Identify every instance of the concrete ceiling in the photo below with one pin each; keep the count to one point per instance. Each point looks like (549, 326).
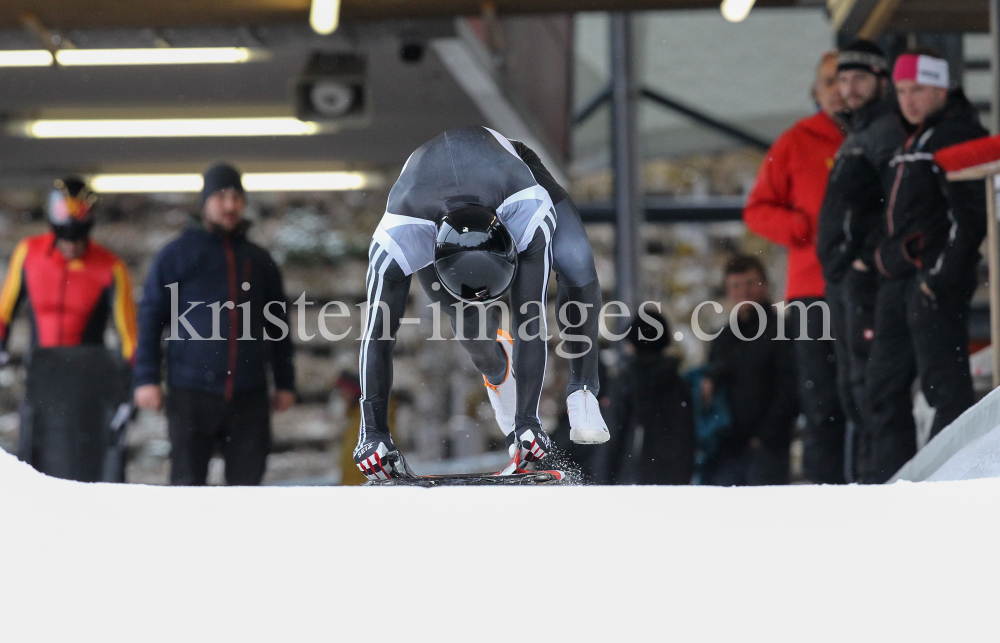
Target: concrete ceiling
(90, 14)
(412, 102)
(869, 18)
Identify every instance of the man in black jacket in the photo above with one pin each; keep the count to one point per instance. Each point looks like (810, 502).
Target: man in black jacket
(928, 260)
(221, 300)
(849, 223)
(757, 374)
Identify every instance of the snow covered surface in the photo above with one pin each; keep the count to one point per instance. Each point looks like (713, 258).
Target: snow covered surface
(902, 562)
(975, 422)
(978, 459)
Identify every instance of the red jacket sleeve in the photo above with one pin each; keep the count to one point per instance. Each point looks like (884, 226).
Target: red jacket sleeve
(769, 211)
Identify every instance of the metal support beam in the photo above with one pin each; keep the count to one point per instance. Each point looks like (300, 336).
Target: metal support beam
(704, 119)
(694, 114)
(625, 160)
(672, 210)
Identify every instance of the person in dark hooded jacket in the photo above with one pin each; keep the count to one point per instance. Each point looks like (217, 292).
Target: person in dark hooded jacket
(849, 223)
(928, 261)
(756, 371)
(652, 412)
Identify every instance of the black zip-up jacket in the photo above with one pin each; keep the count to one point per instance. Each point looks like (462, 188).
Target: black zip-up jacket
(854, 202)
(760, 382)
(933, 226)
(209, 267)
(653, 423)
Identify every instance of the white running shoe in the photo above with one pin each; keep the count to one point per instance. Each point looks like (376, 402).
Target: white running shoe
(503, 396)
(586, 423)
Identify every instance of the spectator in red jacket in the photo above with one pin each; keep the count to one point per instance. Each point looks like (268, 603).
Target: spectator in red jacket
(784, 208)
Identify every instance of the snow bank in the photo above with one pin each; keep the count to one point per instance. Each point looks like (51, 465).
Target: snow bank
(978, 459)
(903, 562)
(978, 420)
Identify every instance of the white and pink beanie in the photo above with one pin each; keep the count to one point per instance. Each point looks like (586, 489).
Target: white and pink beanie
(922, 69)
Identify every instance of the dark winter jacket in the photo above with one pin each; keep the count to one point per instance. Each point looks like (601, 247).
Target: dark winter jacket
(854, 202)
(652, 423)
(210, 267)
(932, 226)
(760, 383)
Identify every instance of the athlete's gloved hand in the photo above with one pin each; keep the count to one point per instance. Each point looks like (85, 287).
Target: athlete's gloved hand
(379, 459)
(531, 443)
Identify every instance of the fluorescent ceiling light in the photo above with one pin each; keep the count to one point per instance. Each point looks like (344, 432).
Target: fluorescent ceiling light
(736, 10)
(307, 181)
(139, 183)
(158, 56)
(151, 56)
(164, 127)
(253, 182)
(324, 16)
(25, 58)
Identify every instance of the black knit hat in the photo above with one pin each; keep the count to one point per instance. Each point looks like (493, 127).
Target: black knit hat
(220, 176)
(864, 55)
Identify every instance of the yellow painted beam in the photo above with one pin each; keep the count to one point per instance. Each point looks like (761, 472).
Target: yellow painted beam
(879, 19)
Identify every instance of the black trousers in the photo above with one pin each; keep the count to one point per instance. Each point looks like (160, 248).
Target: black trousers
(852, 312)
(915, 336)
(824, 438)
(200, 422)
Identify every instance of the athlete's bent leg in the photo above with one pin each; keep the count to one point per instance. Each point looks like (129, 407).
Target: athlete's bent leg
(578, 306)
(579, 295)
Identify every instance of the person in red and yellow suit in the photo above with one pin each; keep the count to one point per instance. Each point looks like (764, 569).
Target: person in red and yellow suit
(783, 207)
(72, 287)
(71, 284)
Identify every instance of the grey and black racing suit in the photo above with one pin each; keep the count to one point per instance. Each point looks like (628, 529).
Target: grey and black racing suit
(476, 165)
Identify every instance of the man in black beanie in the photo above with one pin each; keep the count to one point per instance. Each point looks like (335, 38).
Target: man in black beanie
(849, 224)
(217, 362)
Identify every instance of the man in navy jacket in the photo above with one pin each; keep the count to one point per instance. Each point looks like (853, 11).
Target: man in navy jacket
(220, 301)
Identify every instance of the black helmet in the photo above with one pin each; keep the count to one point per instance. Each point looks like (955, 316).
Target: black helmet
(475, 257)
(69, 209)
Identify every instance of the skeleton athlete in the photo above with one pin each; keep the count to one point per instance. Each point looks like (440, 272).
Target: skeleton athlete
(474, 215)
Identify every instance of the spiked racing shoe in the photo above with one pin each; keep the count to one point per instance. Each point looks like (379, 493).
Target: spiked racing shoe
(586, 423)
(503, 396)
(379, 459)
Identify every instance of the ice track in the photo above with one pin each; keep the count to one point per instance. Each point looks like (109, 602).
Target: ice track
(902, 562)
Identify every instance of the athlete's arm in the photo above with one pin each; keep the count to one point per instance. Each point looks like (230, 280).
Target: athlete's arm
(12, 293)
(282, 350)
(123, 311)
(388, 289)
(154, 316)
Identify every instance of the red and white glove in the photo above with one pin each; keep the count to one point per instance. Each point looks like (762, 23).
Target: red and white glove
(529, 443)
(379, 459)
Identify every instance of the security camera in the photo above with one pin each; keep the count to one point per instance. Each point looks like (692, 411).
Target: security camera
(333, 88)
